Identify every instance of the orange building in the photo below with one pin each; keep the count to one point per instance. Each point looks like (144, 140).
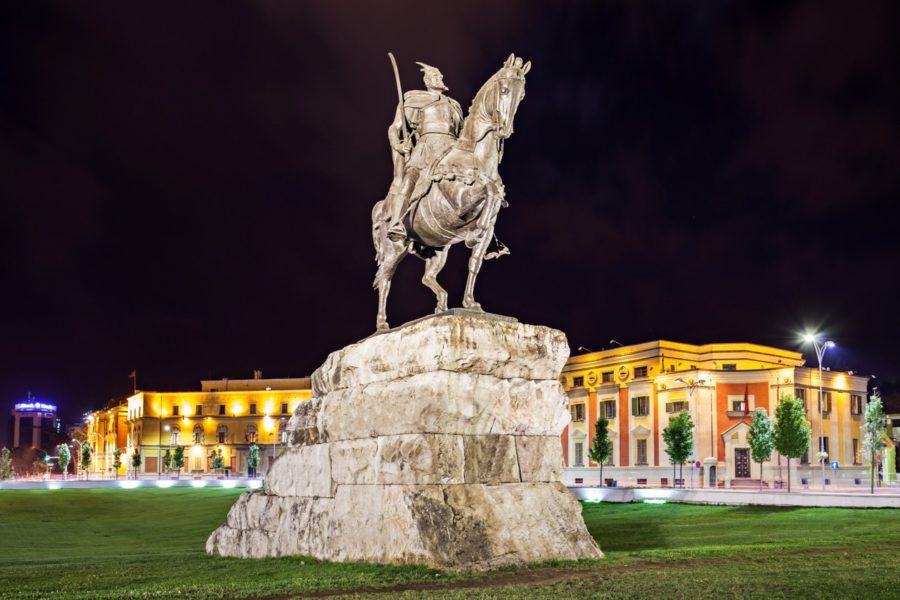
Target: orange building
(639, 387)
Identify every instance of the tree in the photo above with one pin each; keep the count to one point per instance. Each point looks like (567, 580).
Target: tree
(5, 464)
(761, 440)
(178, 459)
(602, 448)
(791, 431)
(873, 433)
(679, 438)
(85, 458)
(215, 460)
(117, 461)
(136, 461)
(253, 460)
(65, 457)
(167, 460)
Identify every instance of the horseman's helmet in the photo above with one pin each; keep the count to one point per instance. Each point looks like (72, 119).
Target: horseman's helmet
(433, 77)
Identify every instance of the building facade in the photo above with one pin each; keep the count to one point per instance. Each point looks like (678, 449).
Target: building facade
(638, 388)
(34, 424)
(225, 415)
(105, 430)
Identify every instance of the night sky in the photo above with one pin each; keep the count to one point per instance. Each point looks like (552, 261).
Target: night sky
(186, 189)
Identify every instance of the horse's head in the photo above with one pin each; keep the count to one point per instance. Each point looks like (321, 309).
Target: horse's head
(494, 106)
(507, 92)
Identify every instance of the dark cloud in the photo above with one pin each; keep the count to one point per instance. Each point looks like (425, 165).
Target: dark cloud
(188, 192)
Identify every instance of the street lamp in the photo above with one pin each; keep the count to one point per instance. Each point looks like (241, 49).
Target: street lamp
(690, 386)
(821, 347)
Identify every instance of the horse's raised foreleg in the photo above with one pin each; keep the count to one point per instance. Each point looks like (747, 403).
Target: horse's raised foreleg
(433, 266)
(492, 205)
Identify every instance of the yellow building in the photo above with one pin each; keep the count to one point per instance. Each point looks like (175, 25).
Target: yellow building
(226, 414)
(106, 430)
(638, 387)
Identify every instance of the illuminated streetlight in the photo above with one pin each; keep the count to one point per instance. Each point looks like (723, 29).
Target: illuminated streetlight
(820, 347)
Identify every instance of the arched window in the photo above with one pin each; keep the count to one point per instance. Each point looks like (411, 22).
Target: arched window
(221, 434)
(251, 434)
(282, 432)
(175, 436)
(198, 434)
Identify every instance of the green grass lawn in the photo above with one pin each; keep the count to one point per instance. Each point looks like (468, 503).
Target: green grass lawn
(150, 544)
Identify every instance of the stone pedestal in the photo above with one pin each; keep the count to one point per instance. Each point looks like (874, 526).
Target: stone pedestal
(436, 443)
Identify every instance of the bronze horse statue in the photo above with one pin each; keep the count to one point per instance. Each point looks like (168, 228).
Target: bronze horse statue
(463, 195)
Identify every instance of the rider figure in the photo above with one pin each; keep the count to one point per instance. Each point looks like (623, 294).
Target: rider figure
(434, 121)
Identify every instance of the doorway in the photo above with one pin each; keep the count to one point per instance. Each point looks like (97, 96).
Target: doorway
(741, 463)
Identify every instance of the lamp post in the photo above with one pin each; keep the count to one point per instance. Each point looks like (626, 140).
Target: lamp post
(820, 347)
(690, 386)
(162, 413)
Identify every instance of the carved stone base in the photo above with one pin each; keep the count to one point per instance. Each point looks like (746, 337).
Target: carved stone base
(436, 443)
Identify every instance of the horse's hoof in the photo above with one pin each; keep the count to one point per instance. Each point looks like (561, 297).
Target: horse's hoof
(440, 309)
(382, 326)
(474, 306)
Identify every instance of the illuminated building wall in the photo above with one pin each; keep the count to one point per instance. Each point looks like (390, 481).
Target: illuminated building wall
(226, 415)
(639, 387)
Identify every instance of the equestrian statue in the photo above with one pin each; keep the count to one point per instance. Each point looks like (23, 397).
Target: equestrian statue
(446, 187)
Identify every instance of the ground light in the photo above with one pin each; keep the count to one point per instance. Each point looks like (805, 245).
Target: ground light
(254, 484)
(655, 501)
(164, 483)
(129, 484)
(229, 483)
(198, 483)
(53, 486)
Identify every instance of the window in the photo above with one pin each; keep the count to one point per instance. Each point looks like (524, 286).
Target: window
(738, 406)
(198, 434)
(729, 367)
(221, 409)
(578, 381)
(606, 377)
(221, 434)
(826, 405)
(175, 437)
(855, 404)
(823, 443)
(175, 410)
(640, 406)
(804, 460)
(253, 409)
(284, 408)
(579, 454)
(608, 409)
(199, 411)
(251, 434)
(577, 411)
(856, 458)
(642, 452)
(282, 432)
(676, 407)
(640, 372)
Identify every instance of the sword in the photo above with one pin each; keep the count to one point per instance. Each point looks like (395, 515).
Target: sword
(404, 132)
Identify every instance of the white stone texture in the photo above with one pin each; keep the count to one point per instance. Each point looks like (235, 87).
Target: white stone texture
(437, 444)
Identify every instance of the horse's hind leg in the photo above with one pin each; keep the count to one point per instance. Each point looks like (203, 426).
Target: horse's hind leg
(433, 266)
(391, 254)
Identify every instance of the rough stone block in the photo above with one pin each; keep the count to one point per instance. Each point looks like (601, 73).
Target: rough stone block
(436, 444)
(301, 471)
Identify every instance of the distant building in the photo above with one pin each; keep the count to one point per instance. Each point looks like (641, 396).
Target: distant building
(226, 414)
(639, 387)
(34, 424)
